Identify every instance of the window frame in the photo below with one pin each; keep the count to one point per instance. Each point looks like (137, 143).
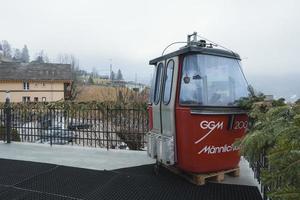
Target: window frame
(171, 86)
(26, 98)
(151, 96)
(25, 85)
(197, 105)
(158, 83)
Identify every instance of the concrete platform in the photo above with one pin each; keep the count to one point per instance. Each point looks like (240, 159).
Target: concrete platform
(83, 157)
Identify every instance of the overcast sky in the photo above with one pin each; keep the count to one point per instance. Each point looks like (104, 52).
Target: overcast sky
(265, 33)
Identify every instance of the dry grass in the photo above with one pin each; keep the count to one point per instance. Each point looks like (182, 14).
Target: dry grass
(103, 93)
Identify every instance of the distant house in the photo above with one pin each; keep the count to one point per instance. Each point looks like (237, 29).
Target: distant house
(34, 82)
(138, 87)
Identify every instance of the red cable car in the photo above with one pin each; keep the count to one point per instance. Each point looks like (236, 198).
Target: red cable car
(193, 112)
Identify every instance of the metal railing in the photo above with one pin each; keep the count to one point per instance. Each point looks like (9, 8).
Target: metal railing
(111, 127)
(257, 167)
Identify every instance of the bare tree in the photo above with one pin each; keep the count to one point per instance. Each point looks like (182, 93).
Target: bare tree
(17, 55)
(41, 57)
(6, 48)
(74, 62)
(69, 59)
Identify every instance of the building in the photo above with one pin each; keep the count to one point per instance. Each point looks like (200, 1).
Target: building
(34, 82)
(138, 87)
(269, 97)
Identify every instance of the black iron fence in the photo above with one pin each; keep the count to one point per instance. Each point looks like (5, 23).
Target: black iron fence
(105, 126)
(257, 166)
(262, 164)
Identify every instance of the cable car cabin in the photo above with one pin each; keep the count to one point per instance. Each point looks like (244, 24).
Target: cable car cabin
(193, 113)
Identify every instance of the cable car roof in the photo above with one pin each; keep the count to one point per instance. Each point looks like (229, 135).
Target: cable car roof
(198, 50)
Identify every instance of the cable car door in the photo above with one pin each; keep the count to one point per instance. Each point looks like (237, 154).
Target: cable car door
(167, 109)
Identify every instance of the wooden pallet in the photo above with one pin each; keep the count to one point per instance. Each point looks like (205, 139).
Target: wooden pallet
(200, 179)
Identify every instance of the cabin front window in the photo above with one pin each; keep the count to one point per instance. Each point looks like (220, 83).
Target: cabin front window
(211, 81)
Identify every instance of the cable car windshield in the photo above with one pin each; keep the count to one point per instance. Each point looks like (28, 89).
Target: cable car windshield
(211, 81)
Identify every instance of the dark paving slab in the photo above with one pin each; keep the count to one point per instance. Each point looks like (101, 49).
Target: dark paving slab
(43, 181)
(18, 194)
(3, 188)
(166, 185)
(148, 170)
(14, 171)
(68, 181)
(138, 170)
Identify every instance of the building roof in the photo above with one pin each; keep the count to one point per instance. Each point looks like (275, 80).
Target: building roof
(34, 71)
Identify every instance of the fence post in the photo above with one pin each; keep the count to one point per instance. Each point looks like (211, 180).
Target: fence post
(7, 112)
(51, 131)
(107, 128)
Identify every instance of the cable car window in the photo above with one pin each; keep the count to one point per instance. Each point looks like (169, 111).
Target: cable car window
(157, 83)
(211, 81)
(151, 96)
(168, 82)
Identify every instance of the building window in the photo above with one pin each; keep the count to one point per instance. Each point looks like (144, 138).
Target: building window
(26, 99)
(44, 84)
(26, 85)
(43, 99)
(36, 99)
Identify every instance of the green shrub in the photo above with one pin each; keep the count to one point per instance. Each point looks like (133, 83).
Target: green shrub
(275, 129)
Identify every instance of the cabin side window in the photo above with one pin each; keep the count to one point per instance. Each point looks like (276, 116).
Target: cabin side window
(151, 96)
(158, 83)
(168, 82)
